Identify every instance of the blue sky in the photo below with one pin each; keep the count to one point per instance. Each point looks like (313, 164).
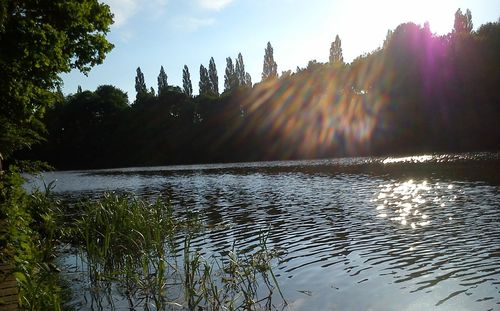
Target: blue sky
(172, 33)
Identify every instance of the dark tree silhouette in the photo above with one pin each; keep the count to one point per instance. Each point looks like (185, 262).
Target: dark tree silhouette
(162, 81)
(230, 77)
(140, 84)
(419, 92)
(187, 86)
(270, 68)
(240, 71)
(204, 84)
(214, 79)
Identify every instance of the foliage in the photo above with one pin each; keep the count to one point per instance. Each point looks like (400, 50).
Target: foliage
(230, 78)
(418, 92)
(213, 77)
(162, 81)
(31, 228)
(236, 76)
(336, 56)
(204, 84)
(270, 68)
(140, 84)
(39, 40)
(187, 86)
(463, 22)
(129, 244)
(243, 76)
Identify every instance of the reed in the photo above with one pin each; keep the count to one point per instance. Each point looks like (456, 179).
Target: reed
(128, 247)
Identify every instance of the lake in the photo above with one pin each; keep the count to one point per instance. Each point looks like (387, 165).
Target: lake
(387, 233)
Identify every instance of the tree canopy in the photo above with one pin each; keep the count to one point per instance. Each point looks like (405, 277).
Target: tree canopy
(39, 40)
(162, 81)
(418, 92)
(336, 56)
(270, 68)
(213, 77)
(230, 78)
(204, 85)
(187, 86)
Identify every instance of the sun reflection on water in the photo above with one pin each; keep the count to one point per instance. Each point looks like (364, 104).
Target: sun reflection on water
(412, 159)
(410, 203)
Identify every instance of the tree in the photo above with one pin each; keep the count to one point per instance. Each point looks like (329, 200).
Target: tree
(39, 40)
(140, 84)
(248, 80)
(204, 84)
(230, 78)
(240, 70)
(162, 81)
(270, 68)
(214, 79)
(186, 82)
(112, 98)
(336, 56)
(463, 22)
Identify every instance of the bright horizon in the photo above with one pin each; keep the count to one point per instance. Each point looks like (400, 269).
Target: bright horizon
(173, 33)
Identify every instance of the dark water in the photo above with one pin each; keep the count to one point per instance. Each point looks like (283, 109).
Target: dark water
(415, 233)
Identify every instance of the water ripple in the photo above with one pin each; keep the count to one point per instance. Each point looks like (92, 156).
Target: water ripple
(364, 233)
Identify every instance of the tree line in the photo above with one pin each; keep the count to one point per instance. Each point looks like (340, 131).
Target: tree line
(418, 92)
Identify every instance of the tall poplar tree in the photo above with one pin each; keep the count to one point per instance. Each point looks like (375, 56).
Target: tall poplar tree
(463, 22)
(162, 81)
(336, 56)
(230, 78)
(270, 68)
(204, 84)
(140, 84)
(248, 80)
(186, 82)
(214, 79)
(240, 70)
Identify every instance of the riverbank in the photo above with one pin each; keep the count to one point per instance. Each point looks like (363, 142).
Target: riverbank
(123, 243)
(28, 240)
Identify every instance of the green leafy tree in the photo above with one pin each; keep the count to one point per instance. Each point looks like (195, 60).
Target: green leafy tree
(240, 70)
(162, 81)
(204, 84)
(336, 56)
(270, 68)
(248, 80)
(463, 22)
(38, 41)
(214, 79)
(230, 78)
(186, 82)
(140, 84)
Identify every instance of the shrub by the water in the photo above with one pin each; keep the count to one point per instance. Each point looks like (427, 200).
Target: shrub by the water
(28, 237)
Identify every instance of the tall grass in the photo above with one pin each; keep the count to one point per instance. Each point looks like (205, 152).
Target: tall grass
(128, 247)
(28, 239)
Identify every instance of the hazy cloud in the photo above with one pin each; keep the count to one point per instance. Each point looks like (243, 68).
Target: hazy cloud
(191, 24)
(215, 5)
(125, 9)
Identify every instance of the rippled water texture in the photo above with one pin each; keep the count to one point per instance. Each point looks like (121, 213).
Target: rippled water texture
(414, 233)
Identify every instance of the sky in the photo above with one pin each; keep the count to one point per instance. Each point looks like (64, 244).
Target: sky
(173, 33)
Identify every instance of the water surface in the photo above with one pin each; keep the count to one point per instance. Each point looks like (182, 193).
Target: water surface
(410, 233)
